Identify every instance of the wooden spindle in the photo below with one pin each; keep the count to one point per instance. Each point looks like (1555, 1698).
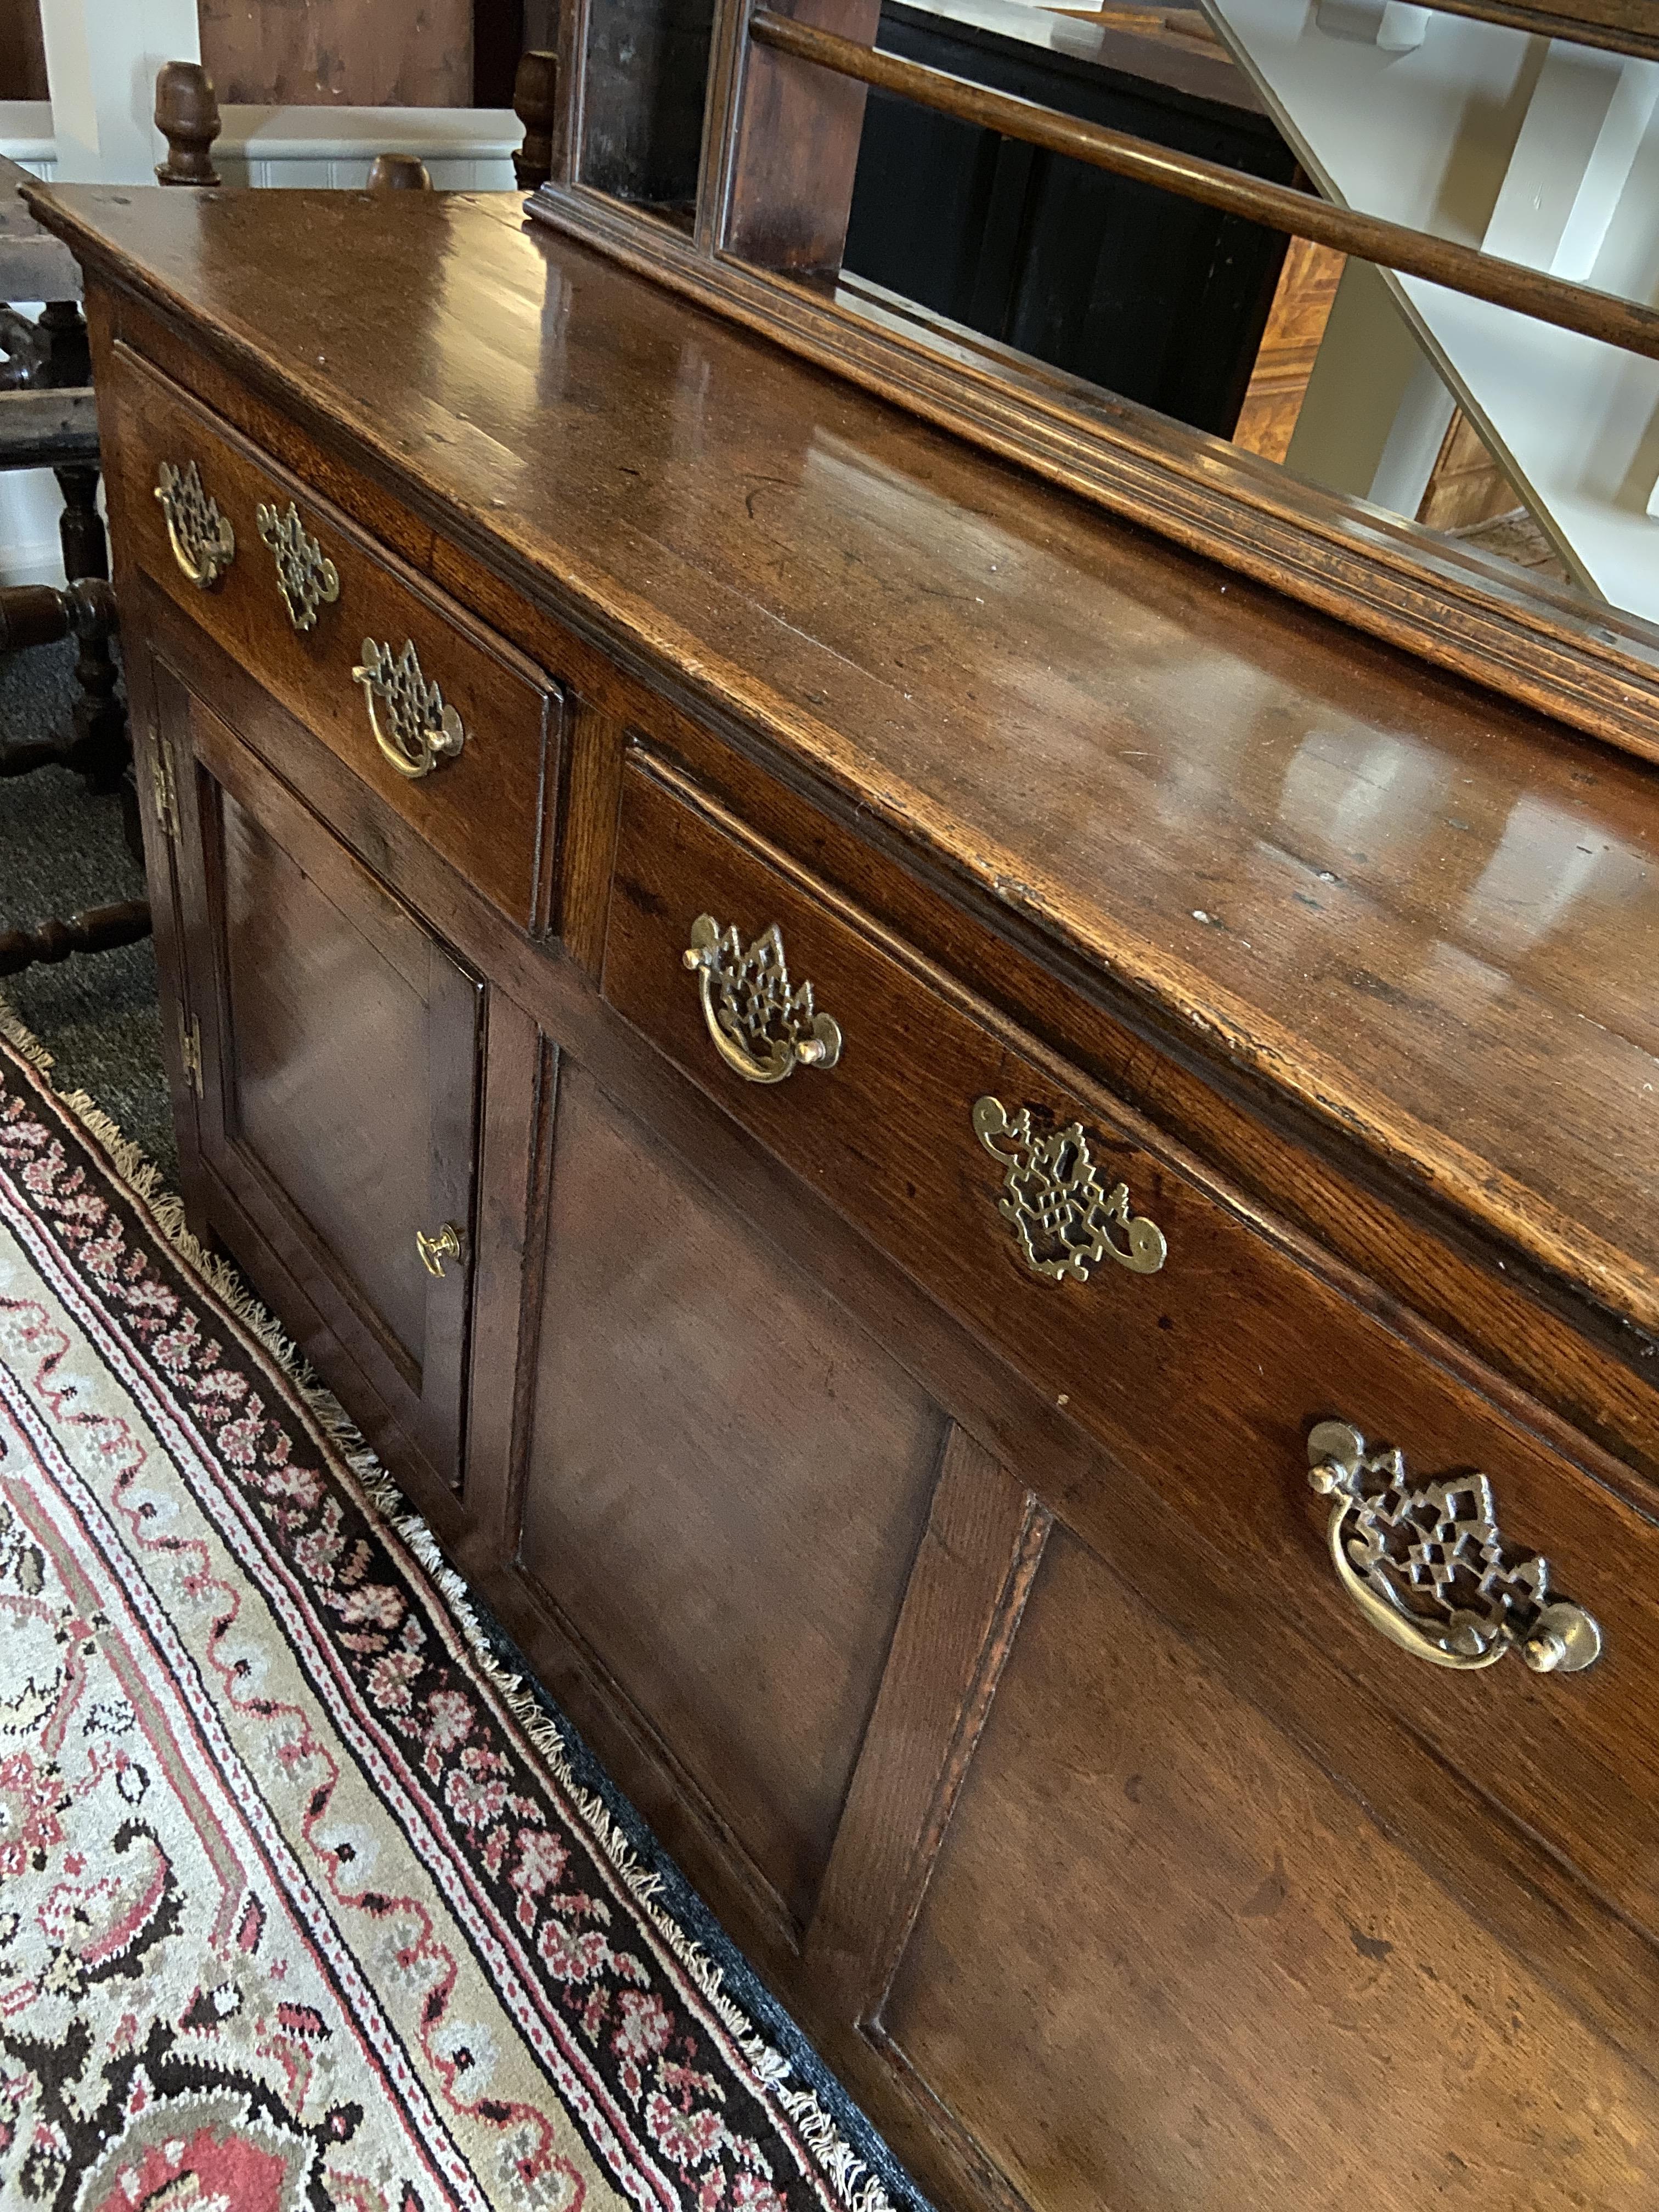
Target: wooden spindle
(535, 102)
(399, 172)
(187, 117)
(41, 614)
(32, 614)
(99, 929)
(100, 749)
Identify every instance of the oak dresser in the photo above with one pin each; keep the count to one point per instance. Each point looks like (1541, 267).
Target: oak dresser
(999, 1189)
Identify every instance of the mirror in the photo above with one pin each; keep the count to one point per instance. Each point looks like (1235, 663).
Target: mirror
(645, 81)
(1536, 446)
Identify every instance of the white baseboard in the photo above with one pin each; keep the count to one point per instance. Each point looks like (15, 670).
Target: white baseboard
(26, 135)
(30, 504)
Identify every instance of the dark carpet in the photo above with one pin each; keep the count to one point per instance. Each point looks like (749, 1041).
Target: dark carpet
(60, 850)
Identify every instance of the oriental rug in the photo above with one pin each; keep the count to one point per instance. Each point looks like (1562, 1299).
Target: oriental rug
(307, 1904)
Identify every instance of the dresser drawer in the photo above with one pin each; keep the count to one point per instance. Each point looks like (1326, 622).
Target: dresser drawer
(1185, 1333)
(456, 731)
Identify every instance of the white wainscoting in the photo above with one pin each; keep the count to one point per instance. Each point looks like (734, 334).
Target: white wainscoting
(466, 149)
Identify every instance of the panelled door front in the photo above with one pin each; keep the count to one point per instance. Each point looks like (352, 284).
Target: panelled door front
(338, 1042)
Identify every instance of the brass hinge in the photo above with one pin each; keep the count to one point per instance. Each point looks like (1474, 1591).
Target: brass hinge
(189, 1048)
(160, 783)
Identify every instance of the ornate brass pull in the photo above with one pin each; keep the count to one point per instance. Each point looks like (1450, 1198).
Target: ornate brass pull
(1061, 1211)
(1426, 1562)
(305, 577)
(412, 727)
(434, 1250)
(204, 543)
(761, 1028)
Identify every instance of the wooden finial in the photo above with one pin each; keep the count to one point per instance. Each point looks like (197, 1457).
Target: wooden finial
(535, 97)
(187, 117)
(399, 172)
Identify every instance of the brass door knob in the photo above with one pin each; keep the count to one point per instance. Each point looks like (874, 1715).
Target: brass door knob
(434, 1250)
(1427, 1564)
(204, 543)
(761, 1028)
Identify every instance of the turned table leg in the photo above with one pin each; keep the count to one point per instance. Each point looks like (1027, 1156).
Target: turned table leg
(99, 929)
(36, 614)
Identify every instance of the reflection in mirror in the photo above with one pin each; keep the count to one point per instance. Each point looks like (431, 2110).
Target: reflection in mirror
(1158, 300)
(647, 74)
(1533, 444)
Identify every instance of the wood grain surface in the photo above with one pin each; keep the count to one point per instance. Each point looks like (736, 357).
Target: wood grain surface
(23, 52)
(1253, 1347)
(491, 807)
(971, 1639)
(1199, 2009)
(359, 53)
(1424, 916)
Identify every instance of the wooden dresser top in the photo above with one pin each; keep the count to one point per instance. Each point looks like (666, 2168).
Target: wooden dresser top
(1426, 917)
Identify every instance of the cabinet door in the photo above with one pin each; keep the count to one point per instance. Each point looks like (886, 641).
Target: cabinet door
(337, 1045)
(728, 1478)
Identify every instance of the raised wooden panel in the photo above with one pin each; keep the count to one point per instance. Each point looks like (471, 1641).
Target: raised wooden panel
(328, 1041)
(1163, 1950)
(728, 1480)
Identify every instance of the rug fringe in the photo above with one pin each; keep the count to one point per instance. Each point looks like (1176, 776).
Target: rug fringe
(21, 1038)
(858, 2188)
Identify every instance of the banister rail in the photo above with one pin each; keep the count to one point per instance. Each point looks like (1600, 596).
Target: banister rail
(1620, 26)
(1622, 322)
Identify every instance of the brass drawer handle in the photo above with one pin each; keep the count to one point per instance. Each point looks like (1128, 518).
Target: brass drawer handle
(412, 727)
(761, 1028)
(434, 1250)
(1061, 1211)
(305, 577)
(204, 543)
(1426, 1562)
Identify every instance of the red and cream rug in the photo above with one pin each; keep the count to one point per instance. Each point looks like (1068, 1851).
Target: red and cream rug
(303, 1907)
